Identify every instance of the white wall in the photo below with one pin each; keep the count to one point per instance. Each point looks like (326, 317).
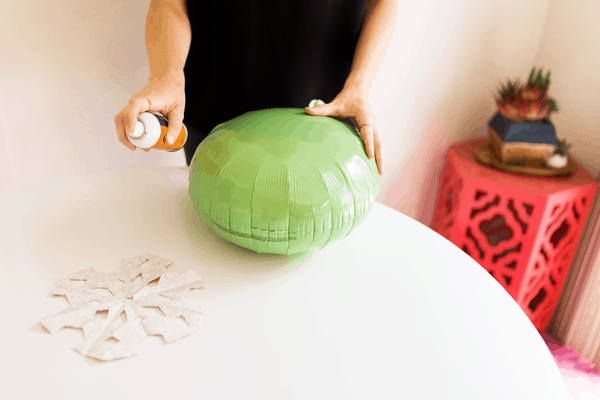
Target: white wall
(70, 66)
(571, 49)
(446, 61)
(67, 68)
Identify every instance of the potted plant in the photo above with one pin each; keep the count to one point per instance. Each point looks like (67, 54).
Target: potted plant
(521, 129)
(529, 102)
(560, 158)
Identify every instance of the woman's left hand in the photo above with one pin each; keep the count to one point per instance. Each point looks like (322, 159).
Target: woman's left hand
(354, 105)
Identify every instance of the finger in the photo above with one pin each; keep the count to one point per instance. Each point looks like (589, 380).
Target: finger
(175, 124)
(146, 150)
(131, 112)
(364, 122)
(329, 109)
(378, 151)
(367, 135)
(121, 132)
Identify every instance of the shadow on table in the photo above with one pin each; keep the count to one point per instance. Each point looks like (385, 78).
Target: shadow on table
(109, 225)
(225, 257)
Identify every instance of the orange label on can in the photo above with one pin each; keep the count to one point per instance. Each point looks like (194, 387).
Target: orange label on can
(162, 144)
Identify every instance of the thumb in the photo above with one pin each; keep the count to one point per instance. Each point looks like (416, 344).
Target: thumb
(322, 109)
(175, 124)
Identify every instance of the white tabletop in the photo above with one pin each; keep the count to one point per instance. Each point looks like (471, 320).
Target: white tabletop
(393, 311)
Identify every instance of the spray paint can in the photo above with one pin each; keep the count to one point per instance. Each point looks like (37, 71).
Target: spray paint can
(151, 133)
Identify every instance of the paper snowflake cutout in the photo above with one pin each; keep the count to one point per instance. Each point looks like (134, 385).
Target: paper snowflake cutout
(130, 298)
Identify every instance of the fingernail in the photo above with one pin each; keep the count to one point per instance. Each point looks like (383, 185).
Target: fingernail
(170, 139)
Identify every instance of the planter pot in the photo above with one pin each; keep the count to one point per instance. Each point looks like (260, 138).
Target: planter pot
(557, 161)
(514, 141)
(532, 114)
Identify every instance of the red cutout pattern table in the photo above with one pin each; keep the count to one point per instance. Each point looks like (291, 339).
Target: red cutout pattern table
(523, 230)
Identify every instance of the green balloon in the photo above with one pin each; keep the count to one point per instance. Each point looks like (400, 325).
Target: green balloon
(281, 181)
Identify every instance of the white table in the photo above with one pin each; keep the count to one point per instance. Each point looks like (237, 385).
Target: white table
(394, 311)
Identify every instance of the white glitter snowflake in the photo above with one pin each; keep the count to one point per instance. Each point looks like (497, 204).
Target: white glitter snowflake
(130, 298)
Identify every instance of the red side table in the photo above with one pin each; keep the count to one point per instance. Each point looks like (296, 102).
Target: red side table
(523, 230)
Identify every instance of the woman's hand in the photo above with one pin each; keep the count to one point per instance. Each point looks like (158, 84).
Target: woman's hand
(165, 94)
(350, 103)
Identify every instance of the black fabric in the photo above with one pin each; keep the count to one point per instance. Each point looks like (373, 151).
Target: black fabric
(191, 144)
(256, 54)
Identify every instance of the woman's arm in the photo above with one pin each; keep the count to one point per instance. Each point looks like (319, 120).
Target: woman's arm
(352, 102)
(168, 37)
(375, 37)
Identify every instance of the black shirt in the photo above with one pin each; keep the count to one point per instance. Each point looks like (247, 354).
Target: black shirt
(256, 54)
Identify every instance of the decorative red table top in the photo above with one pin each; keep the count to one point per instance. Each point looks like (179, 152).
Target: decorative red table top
(464, 159)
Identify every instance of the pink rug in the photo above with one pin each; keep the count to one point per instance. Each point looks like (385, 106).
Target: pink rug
(580, 375)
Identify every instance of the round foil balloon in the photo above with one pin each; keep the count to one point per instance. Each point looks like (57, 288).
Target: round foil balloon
(282, 181)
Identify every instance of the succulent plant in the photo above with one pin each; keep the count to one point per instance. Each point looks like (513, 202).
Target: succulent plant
(528, 102)
(563, 148)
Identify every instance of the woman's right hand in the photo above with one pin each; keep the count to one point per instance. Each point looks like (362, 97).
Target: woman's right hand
(165, 94)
